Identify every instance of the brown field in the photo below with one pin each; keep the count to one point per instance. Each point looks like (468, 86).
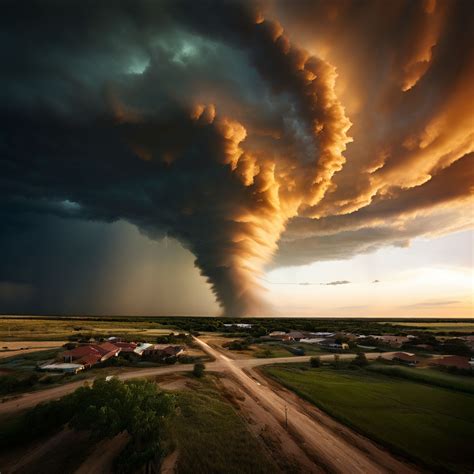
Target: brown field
(13, 348)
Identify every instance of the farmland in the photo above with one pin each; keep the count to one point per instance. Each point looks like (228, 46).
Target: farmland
(52, 329)
(387, 409)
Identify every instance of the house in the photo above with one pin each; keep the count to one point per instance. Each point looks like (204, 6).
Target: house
(107, 350)
(405, 358)
(126, 347)
(453, 361)
(239, 325)
(312, 340)
(331, 344)
(391, 340)
(162, 351)
(63, 367)
(141, 347)
(295, 335)
(91, 354)
(322, 334)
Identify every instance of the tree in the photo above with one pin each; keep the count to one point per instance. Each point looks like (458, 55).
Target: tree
(360, 360)
(315, 361)
(198, 370)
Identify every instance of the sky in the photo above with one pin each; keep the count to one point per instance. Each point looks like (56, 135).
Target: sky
(237, 158)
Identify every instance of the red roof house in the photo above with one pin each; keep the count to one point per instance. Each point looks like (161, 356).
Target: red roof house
(89, 355)
(404, 358)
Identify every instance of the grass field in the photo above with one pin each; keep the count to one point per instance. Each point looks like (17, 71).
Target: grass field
(212, 438)
(429, 376)
(25, 329)
(437, 326)
(429, 424)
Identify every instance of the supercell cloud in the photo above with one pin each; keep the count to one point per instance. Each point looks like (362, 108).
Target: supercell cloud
(256, 134)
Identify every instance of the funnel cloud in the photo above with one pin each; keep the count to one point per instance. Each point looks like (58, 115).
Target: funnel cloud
(255, 134)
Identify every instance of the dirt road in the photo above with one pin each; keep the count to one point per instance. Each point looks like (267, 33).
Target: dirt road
(221, 361)
(330, 446)
(30, 399)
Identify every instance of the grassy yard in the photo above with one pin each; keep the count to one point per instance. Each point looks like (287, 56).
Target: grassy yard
(212, 438)
(430, 424)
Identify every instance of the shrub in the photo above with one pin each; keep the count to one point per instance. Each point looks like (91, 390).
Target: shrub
(198, 370)
(360, 360)
(315, 361)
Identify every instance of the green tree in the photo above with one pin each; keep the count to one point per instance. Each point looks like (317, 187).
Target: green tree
(198, 370)
(360, 360)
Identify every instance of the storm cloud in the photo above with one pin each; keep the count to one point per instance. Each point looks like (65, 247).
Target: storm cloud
(253, 133)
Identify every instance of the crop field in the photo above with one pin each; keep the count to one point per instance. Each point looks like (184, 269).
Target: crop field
(387, 409)
(428, 376)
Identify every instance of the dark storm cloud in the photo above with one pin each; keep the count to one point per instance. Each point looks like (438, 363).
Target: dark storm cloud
(140, 112)
(204, 122)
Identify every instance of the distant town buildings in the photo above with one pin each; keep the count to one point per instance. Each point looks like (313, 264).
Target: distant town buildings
(86, 356)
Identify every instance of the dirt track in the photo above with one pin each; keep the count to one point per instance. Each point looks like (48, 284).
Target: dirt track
(221, 362)
(313, 440)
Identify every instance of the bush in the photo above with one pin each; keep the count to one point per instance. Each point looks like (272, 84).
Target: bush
(360, 360)
(198, 370)
(315, 361)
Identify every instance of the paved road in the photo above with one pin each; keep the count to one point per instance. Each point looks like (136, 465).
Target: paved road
(333, 446)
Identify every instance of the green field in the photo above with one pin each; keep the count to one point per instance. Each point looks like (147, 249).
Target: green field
(212, 438)
(467, 326)
(428, 376)
(48, 329)
(431, 425)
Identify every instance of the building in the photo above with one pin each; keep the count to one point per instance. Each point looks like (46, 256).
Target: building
(391, 340)
(239, 325)
(63, 367)
(331, 344)
(126, 347)
(141, 347)
(162, 351)
(89, 355)
(454, 361)
(323, 334)
(312, 340)
(405, 358)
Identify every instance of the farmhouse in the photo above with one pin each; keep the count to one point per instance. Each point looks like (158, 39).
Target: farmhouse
(405, 358)
(92, 354)
(162, 351)
(63, 367)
